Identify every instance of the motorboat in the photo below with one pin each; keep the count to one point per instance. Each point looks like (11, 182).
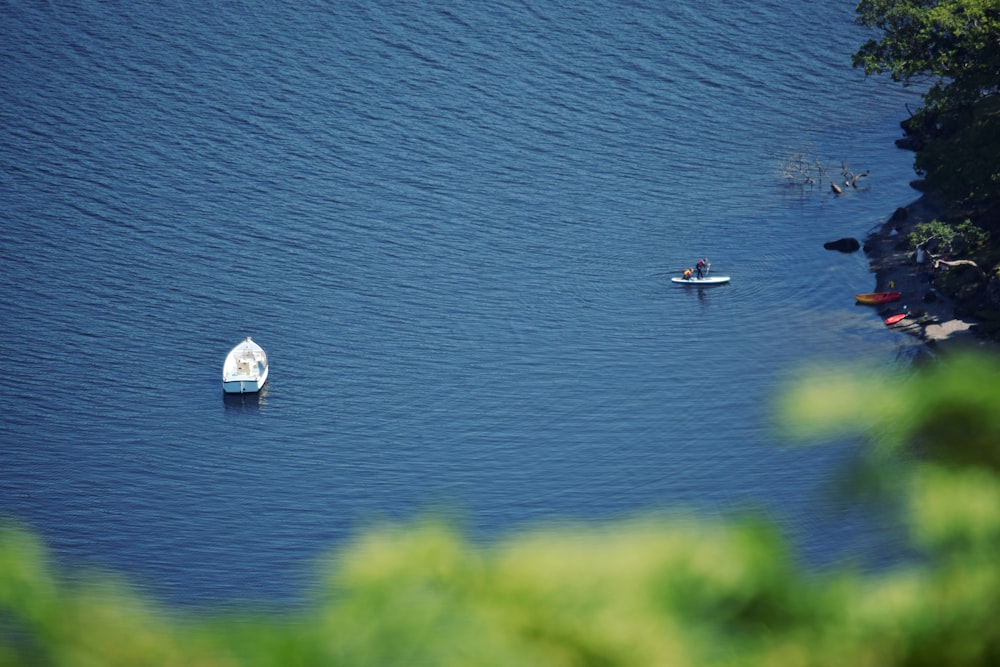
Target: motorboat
(245, 368)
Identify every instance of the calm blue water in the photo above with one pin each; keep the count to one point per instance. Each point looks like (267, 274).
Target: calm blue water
(452, 228)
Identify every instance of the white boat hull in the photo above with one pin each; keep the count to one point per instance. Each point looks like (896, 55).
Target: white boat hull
(244, 386)
(708, 280)
(245, 369)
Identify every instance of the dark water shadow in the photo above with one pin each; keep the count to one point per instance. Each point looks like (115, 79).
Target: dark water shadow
(245, 403)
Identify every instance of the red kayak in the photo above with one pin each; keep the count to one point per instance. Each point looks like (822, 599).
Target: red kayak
(892, 319)
(875, 298)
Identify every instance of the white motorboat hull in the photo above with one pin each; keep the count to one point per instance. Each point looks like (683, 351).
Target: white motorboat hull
(245, 369)
(243, 386)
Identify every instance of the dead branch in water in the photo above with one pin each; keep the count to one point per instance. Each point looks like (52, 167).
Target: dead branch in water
(803, 170)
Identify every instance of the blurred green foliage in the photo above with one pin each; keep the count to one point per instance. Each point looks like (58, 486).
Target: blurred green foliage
(663, 590)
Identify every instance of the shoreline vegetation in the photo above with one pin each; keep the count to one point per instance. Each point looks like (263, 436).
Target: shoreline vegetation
(933, 317)
(944, 248)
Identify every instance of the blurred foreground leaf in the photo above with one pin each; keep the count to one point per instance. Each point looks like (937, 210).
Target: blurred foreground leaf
(661, 590)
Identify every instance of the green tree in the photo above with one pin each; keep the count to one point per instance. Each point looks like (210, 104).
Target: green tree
(964, 237)
(951, 43)
(953, 47)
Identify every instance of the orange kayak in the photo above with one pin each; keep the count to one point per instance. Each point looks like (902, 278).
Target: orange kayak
(875, 298)
(893, 319)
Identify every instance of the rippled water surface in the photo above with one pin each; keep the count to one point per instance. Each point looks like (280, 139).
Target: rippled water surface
(452, 228)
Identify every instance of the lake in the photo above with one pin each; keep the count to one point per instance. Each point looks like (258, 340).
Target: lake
(453, 230)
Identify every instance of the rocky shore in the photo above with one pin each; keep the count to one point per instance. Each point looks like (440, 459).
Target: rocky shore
(931, 315)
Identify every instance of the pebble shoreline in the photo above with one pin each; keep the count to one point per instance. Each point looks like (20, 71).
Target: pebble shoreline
(931, 315)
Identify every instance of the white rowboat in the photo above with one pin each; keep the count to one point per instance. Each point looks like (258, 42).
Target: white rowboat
(245, 368)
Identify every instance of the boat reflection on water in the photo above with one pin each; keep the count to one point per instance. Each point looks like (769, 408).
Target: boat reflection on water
(249, 403)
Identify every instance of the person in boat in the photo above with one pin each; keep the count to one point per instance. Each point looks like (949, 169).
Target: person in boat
(687, 274)
(701, 266)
